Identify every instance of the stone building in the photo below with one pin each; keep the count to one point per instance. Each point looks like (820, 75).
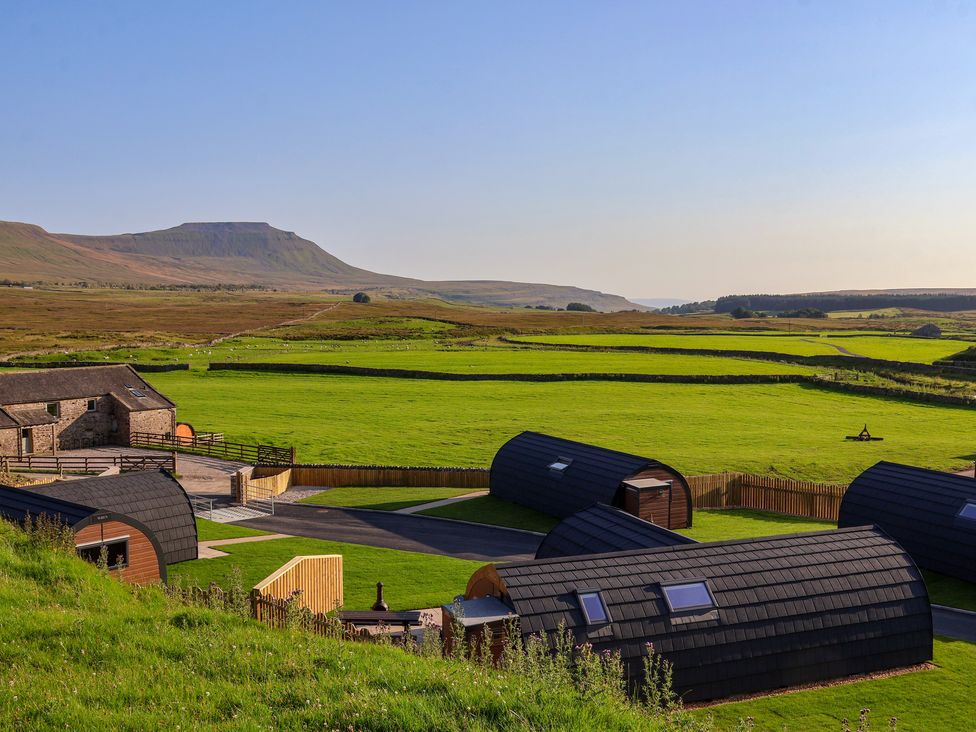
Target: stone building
(43, 411)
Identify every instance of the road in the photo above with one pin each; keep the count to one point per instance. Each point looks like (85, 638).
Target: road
(400, 531)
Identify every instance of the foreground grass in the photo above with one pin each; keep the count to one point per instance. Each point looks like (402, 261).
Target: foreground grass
(383, 499)
(786, 429)
(495, 511)
(411, 580)
(210, 530)
(939, 699)
(81, 651)
(950, 591)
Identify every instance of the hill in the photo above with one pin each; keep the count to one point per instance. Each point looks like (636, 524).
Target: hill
(83, 651)
(243, 253)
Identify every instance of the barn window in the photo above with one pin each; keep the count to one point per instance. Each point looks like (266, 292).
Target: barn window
(137, 393)
(968, 511)
(54, 409)
(688, 596)
(117, 552)
(560, 465)
(594, 609)
(92, 405)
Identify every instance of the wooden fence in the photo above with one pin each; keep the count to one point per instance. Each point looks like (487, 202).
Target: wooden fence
(89, 464)
(767, 493)
(267, 454)
(317, 578)
(335, 476)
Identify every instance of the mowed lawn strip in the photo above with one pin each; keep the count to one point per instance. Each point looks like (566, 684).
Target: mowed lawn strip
(495, 511)
(744, 523)
(383, 498)
(411, 580)
(936, 699)
(210, 530)
(792, 430)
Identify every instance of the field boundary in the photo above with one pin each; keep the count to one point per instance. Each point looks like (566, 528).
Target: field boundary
(335, 369)
(767, 493)
(142, 367)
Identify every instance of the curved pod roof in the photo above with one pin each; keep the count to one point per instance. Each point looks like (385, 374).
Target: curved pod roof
(920, 509)
(154, 498)
(560, 477)
(600, 529)
(783, 610)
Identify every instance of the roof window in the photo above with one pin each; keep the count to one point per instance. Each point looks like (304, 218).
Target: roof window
(968, 511)
(560, 464)
(688, 596)
(594, 609)
(137, 392)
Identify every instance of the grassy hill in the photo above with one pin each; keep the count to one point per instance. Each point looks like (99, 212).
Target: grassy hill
(80, 650)
(244, 253)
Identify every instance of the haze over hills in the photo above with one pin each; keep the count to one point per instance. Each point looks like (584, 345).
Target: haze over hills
(244, 253)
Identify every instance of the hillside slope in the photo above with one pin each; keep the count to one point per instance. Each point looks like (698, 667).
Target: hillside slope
(81, 651)
(243, 253)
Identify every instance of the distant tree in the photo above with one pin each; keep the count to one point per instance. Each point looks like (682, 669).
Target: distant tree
(361, 297)
(803, 313)
(741, 312)
(580, 307)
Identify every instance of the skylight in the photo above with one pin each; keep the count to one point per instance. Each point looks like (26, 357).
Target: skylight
(560, 464)
(688, 596)
(968, 511)
(137, 393)
(593, 608)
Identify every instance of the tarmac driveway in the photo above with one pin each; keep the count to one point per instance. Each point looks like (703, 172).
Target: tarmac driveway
(400, 531)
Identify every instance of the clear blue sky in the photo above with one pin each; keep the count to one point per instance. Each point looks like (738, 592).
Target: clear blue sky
(650, 149)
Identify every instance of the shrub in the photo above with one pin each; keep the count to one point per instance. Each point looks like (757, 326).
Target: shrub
(580, 307)
(361, 297)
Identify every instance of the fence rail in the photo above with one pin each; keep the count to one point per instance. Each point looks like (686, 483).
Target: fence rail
(90, 464)
(336, 476)
(265, 454)
(767, 493)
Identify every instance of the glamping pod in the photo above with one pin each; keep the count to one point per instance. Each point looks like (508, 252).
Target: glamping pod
(930, 513)
(154, 498)
(561, 477)
(733, 617)
(600, 529)
(131, 549)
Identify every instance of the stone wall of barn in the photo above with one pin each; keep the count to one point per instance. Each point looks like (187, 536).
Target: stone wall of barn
(8, 441)
(154, 421)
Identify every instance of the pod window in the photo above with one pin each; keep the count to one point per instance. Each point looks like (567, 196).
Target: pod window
(594, 609)
(116, 553)
(968, 511)
(688, 596)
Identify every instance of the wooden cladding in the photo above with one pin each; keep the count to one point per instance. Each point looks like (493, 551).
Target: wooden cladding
(767, 493)
(318, 578)
(144, 564)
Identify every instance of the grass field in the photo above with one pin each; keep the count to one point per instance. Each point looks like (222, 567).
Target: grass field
(382, 499)
(411, 580)
(495, 511)
(745, 524)
(786, 429)
(210, 530)
(891, 348)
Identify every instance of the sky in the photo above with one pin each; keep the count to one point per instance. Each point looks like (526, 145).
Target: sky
(673, 149)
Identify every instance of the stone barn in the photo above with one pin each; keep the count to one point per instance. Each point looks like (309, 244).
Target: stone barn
(46, 410)
(560, 477)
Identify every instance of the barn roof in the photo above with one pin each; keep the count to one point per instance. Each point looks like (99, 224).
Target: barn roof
(919, 508)
(48, 385)
(600, 529)
(521, 472)
(154, 498)
(787, 610)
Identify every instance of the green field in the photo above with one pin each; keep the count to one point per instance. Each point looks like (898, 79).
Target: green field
(211, 530)
(495, 511)
(411, 580)
(746, 524)
(891, 348)
(786, 429)
(382, 499)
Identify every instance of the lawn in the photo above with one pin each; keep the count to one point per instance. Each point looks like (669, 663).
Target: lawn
(743, 523)
(892, 348)
(411, 580)
(383, 499)
(939, 699)
(786, 429)
(950, 591)
(209, 530)
(495, 511)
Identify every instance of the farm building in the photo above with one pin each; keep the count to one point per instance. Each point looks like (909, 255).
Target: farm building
(46, 410)
(733, 617)
(154, 498)
(561, 477)
(600, 529)
(132, 551)
(930, 513)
